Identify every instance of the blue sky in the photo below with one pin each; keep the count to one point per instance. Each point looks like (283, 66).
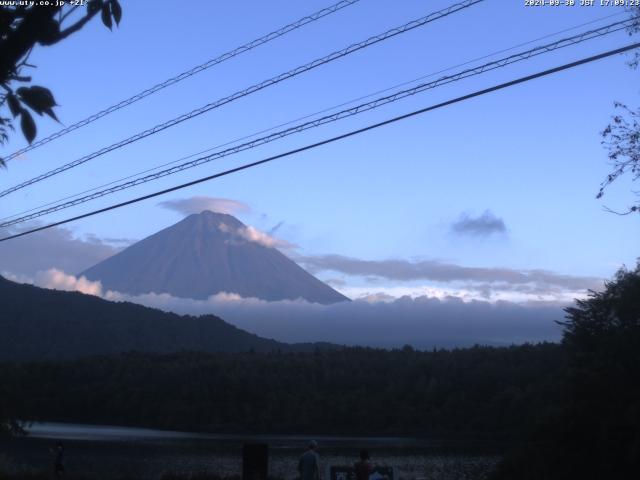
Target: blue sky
(529, 155)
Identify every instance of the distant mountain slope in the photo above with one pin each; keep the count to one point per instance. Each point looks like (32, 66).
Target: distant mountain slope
(205, 254)
(38, 324)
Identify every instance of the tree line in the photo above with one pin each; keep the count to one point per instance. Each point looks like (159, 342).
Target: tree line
(481, 390)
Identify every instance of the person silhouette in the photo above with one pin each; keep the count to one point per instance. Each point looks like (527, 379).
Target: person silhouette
(363, 467)
(58, 461)
(309, 464)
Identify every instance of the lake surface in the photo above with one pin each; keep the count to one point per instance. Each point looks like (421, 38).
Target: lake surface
(108, 433)
(103, 451)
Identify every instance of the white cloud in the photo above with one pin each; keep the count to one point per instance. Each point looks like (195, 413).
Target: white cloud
(59, 280)
(17, 278)
(252, 234)
(376, 297)
(466, 292)
(198, 204)
(226, 297)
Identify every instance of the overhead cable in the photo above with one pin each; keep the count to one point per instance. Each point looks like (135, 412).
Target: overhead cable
(330, 140)
(252, 89)
(184, 75)
(348, 112)
(310, 115)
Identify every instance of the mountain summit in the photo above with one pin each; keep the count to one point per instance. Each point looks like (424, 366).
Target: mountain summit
(209, 253)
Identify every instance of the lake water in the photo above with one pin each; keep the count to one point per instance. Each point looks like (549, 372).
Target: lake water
(124, 452)
(108, 433)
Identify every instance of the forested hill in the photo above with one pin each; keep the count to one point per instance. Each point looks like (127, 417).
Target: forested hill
(41, 324)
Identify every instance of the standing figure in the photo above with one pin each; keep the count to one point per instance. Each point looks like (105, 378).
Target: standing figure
(309, 464)
(58, 461)
(363, 468)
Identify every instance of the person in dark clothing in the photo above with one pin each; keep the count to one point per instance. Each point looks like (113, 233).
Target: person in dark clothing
(309, 464)
(363, 468)
(58, 461)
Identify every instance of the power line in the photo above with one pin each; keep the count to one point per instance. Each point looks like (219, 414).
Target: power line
(334, 139)
(254, 88)
(189, 73)
(245, 137)
(333, 117)
(539, 50)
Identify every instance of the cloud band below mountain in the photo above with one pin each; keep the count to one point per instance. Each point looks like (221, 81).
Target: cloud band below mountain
(424, 322)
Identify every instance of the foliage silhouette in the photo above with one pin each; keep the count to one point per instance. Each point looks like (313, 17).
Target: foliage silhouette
(23, 26)
(596, 433)
(622, 136)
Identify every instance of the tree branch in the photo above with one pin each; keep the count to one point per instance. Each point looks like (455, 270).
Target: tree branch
(622, 214)
(71, 10)
(23, 38)
(75, 27)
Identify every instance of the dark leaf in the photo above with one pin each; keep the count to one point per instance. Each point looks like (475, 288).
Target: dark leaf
(48, 32)
(28, 125)
(51, 113)
(106, 16)
(14, 105)
(38, 98)
(116, 11)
